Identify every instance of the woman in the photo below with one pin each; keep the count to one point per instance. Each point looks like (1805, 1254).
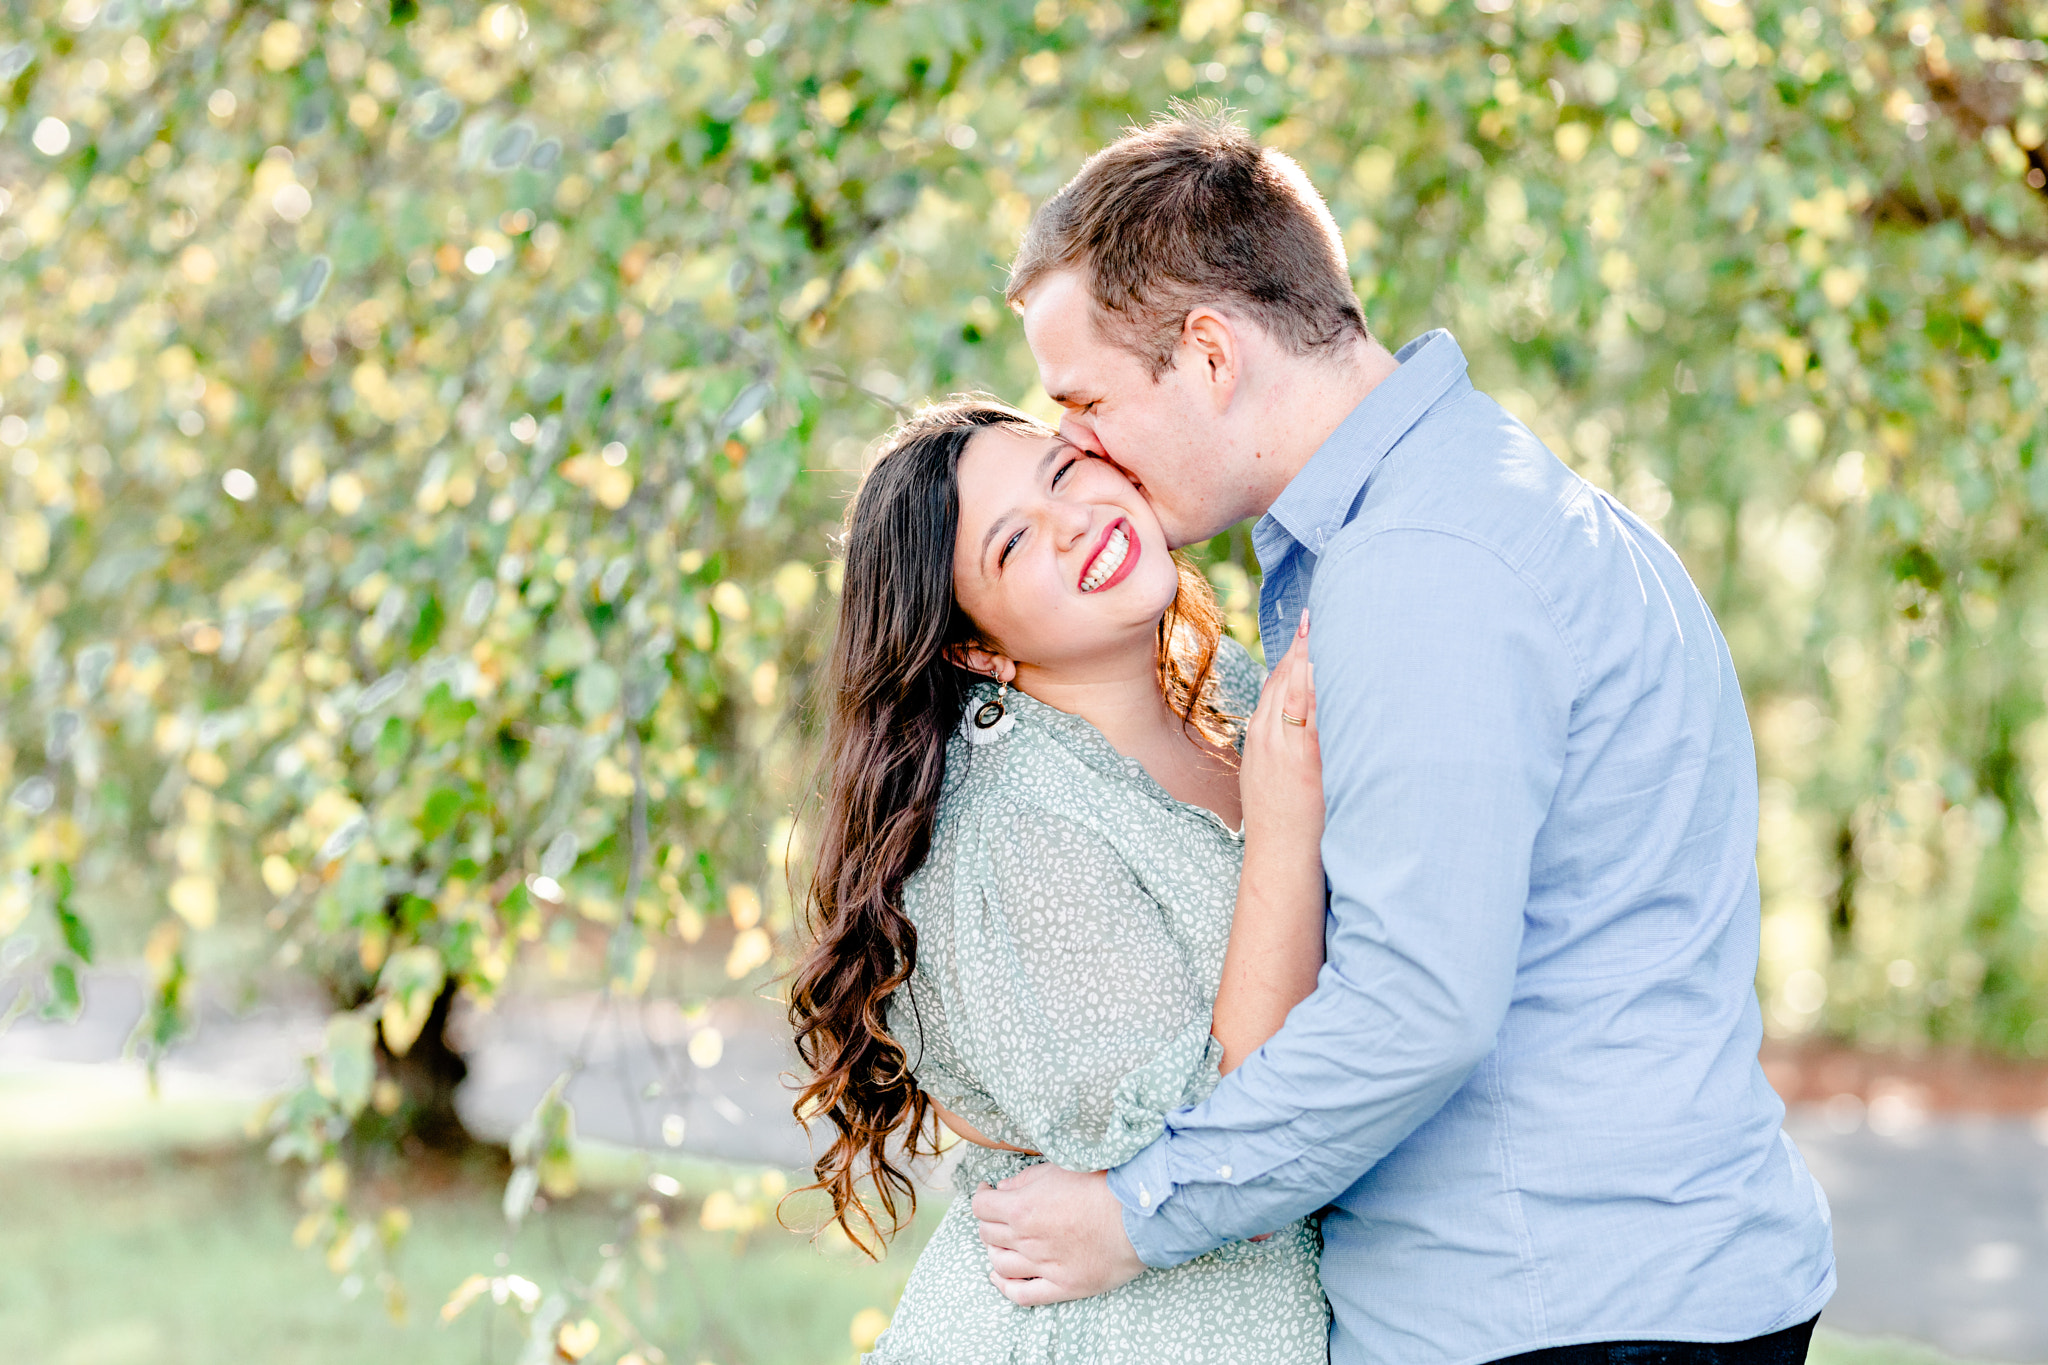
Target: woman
(1029, 916)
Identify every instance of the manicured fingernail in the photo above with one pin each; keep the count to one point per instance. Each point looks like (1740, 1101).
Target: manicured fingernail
(1302, 629)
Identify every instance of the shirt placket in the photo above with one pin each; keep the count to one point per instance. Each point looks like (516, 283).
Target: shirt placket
(1281, 600)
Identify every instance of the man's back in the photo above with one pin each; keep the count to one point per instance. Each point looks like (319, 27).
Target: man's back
(1536, 1036)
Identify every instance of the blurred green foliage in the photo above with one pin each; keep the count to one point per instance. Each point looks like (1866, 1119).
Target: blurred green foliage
(423, 424)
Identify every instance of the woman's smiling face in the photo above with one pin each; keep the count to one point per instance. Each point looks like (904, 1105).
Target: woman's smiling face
(1059, 559)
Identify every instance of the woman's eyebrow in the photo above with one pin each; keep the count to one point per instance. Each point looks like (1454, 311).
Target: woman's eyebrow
(990, 536)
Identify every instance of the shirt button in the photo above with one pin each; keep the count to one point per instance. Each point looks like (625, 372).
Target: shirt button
(1223, 1171)
(1144, 1198)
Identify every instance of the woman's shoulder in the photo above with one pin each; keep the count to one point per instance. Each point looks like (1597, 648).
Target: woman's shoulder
(1239, 678)
(1019, 790)
(984, 824)
(1020, 781)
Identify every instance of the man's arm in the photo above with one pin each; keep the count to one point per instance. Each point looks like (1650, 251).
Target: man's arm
(1445, 692)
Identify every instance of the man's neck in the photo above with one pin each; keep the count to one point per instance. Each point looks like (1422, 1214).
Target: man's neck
(1308, 400)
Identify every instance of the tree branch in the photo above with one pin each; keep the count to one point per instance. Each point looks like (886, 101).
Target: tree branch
(1893, 205)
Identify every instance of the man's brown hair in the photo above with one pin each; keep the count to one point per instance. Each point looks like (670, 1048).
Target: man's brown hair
(1190, 211)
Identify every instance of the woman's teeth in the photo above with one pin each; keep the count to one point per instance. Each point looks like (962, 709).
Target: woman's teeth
(1108, 561)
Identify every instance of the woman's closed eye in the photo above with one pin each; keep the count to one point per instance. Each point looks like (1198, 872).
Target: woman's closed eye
(1003, 555)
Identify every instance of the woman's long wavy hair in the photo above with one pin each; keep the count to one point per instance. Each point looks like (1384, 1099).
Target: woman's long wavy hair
(895, 698)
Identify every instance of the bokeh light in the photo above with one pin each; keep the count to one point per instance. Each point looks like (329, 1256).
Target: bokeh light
(424, 440)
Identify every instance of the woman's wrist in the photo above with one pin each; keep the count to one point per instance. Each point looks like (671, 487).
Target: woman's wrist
(1287, 846)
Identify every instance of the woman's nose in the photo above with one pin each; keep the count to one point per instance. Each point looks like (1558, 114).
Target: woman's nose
(1071, 522)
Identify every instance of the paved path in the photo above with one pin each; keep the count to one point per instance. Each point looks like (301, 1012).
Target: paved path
(645, 1069)
(1941, 1228)
(1941, 1223)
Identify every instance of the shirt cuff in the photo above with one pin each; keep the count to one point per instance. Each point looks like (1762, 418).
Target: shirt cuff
(1163, 1230)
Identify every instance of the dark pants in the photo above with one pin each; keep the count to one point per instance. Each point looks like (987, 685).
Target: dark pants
(1779, 1348)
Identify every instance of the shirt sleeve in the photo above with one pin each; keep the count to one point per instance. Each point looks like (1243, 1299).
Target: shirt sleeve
(1444, 696)
(1066, 1000)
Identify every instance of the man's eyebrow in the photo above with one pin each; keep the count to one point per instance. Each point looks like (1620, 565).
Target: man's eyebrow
(1052, 452)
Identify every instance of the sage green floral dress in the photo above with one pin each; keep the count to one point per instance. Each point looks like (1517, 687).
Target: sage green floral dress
(1071, 922)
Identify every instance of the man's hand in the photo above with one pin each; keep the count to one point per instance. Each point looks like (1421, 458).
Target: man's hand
(1054, 1235)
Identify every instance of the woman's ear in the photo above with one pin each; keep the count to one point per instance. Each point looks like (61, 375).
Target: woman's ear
(979, 658)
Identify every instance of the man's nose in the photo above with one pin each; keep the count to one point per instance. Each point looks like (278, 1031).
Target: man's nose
(1076, 430)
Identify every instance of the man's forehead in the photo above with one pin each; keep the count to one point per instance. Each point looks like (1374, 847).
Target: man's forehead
(1058, 309)
(1059, 324)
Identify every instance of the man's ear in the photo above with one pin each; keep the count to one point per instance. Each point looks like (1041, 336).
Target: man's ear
(1210, 344)
(976, 657)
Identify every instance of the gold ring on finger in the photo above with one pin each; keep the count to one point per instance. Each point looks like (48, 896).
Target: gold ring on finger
(1294, 720)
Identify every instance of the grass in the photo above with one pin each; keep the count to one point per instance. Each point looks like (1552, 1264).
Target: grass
(138, 1232)
(1838, 1348)
(183, 1259)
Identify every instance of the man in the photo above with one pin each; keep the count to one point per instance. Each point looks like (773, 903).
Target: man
(1526, 1086)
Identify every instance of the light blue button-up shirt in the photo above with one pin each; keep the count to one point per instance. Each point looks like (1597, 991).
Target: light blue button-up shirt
(1526, 1085)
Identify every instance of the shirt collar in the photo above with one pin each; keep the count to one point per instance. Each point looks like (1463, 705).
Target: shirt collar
(1318, 500)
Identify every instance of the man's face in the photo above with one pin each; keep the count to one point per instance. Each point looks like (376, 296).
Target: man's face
(1162, 431)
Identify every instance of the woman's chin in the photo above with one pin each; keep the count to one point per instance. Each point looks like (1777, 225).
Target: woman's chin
(1138, 599)
(1162, 585)
(1130, 629)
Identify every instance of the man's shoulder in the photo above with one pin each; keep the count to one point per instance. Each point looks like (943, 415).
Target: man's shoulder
(1469, 470)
